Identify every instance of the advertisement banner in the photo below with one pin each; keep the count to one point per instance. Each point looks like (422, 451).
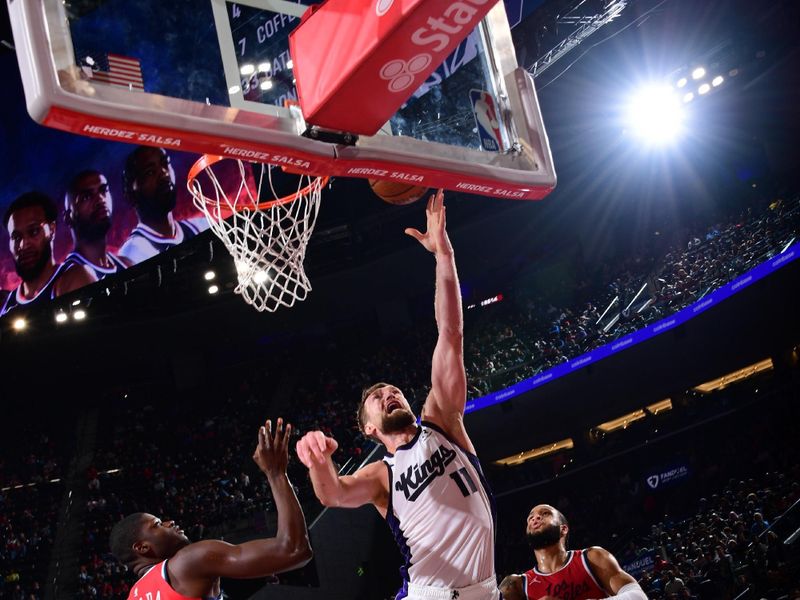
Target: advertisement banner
(642, 564)
(658, 479)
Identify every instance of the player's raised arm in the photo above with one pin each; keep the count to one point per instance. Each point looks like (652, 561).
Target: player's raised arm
(289, 549)
(366, 486)
(445, 404)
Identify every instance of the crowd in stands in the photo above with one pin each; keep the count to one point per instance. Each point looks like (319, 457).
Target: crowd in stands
(533, 335)
(190, 460)
(31, 491)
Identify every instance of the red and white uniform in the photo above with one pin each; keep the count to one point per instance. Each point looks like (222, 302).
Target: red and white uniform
(573, 581)
(154, 585)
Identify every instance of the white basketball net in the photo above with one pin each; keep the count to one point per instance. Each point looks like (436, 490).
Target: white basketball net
(267, 240)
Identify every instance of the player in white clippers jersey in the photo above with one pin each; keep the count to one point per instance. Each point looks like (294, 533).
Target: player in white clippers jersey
(31, 224)
(88, 210)
(148, 182)
(430, 487)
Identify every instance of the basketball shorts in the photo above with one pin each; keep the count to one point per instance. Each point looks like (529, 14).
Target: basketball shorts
(485, 590)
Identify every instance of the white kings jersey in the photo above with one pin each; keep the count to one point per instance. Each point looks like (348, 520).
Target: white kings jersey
(441, 512)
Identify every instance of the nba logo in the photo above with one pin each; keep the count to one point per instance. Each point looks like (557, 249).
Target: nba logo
(487, 120)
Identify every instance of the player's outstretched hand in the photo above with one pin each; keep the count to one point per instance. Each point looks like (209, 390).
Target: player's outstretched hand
(314, 448)
(272, 452)
(435, 238)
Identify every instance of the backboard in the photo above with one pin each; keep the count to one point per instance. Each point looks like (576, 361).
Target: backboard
(216, 77)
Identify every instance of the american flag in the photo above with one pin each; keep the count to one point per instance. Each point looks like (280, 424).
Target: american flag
(122, 71)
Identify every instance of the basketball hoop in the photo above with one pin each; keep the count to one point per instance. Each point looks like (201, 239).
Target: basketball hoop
(266, 238)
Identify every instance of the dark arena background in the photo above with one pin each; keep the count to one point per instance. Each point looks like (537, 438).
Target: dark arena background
(632, 342)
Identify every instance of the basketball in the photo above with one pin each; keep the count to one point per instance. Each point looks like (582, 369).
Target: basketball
(397, 192)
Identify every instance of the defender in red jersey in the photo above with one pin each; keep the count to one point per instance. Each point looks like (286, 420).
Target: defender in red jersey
(169, 567)
(567, 574)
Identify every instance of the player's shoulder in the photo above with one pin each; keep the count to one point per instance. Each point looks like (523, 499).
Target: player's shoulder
(597, 556)
(197, 224)
(375, 469)
(136, 249)
(451, 426)
(72, 276)
(197, 557)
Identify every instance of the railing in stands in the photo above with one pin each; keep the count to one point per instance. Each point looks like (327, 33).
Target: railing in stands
(755, 274)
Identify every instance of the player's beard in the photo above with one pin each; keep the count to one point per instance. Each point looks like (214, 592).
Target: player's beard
(28, 273)
(398, 420)
(166, 197)
(546, 536)
(160, 204)
(92, 231)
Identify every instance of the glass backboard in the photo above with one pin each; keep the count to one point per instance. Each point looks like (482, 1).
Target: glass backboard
(215, 76)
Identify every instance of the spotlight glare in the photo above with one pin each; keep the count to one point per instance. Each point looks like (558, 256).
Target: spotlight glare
(698, 73)
(19, 324)
(682, 82)
(688, 97)
(655, 114)
(703, 89)
(61, 317)
(260, 277)
(264, 67)
(209, 275)
(717, 80)
(213, 289)
(247, 69)
(79, 315)
(290, 64)
(234, 89)
(266, 85)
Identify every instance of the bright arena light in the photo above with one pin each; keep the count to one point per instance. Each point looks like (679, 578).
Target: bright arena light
(717, 81)
(260, 277)
(682, 82)
(209, 275)
(264, 67)
(703, 89)
(213, 289)
(79, 315)
(655, 114)
(61, 317)
(698, 73)
(19, 324)
(290, 64)
(266, 85)
(688, 97)
(247, 69)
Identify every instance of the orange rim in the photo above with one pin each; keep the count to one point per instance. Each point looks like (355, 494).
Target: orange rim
(208, 160)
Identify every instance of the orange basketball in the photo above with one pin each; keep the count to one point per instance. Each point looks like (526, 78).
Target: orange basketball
(397, 192)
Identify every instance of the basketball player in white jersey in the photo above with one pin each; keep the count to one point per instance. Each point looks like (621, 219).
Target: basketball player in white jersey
(31, 224)
(88, 208)
(429, 487)
(149, 185)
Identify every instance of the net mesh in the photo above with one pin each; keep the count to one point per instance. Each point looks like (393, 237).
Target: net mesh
(267, 239)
